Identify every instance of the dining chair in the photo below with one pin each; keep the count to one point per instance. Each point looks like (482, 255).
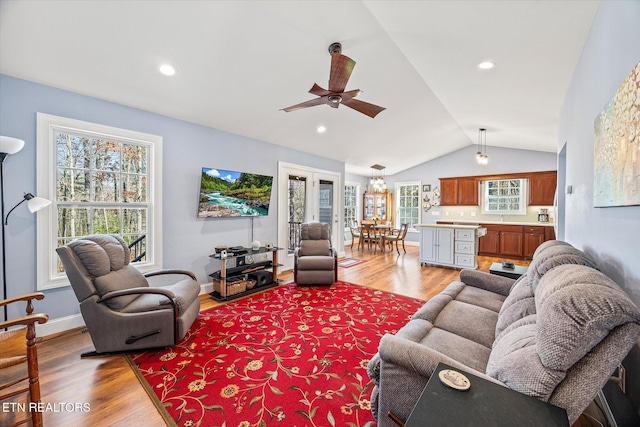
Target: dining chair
(366, 233)
(397, 235)
(355, 232)
(371, 235)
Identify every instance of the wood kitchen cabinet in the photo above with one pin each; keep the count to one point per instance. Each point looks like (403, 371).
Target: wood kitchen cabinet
(377, 204)
(467, 191)
(533, 237)
(462, 191)
(489, 244)
(448, 191)
(501, 240)
(513, 241)
(549, 233)
(542, 188)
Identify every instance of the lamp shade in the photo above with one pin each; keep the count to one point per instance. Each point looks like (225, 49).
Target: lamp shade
(36, 203)
(9, 145)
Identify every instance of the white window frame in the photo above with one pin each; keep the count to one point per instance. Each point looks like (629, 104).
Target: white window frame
(396, 218)
(522, 210)
(47, 258)
(357, 204)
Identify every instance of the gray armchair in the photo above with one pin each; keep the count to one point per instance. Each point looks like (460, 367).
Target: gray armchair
(315, 260)
(123, 309)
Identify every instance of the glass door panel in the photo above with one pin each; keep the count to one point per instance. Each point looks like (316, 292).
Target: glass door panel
(297, 194)
(325, 202)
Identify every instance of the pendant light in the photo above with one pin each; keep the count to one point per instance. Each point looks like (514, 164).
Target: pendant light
(377, 182)
(481, 156)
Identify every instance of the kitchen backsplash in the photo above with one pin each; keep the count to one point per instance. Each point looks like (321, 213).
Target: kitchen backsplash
(473, 213)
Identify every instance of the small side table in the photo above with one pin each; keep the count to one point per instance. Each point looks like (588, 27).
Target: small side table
(512, 273)
(484, 404)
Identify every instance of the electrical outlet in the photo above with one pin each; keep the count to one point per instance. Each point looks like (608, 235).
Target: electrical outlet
(473, 214)
(446, 213)
(461, 213)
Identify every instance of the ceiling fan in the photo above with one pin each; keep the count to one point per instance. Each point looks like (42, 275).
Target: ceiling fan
(341, 69)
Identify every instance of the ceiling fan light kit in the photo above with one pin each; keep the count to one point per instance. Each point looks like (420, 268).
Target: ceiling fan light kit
(341, 69)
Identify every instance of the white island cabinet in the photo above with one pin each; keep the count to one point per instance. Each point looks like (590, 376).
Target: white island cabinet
(450, 245)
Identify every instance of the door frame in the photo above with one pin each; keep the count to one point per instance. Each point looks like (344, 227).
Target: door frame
(313, 175)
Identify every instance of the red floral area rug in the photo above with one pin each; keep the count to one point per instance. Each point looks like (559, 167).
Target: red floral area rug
(349, 262)
(290, 356)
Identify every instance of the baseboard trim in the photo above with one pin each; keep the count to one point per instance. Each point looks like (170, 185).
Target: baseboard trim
(206, 288)
(60, 324)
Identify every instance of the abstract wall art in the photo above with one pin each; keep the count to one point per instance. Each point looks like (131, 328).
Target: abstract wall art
(616, 155)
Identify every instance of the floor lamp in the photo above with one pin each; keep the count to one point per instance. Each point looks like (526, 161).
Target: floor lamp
(8, 146)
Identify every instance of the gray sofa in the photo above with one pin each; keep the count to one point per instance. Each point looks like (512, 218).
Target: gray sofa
(557, 333)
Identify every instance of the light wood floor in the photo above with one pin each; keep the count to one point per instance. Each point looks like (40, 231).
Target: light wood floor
(114, 394)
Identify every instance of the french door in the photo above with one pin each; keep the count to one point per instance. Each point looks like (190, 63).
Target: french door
(304, 195)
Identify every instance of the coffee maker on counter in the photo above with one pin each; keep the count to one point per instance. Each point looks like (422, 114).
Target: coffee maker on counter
(543, 215)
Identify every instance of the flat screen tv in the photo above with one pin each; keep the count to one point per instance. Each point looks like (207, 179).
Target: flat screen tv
(225, 194)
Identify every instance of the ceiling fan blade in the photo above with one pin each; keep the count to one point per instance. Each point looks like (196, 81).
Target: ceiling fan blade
(346, 96)
(306, 104)
(341, 69)
(363, 107)
(317, 90)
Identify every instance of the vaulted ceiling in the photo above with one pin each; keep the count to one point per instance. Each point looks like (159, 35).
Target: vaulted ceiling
(239, 62)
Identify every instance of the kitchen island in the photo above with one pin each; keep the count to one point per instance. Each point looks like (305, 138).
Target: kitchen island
(450, 245)
(510, 239)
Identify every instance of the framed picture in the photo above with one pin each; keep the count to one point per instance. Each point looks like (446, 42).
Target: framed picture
(426, 188)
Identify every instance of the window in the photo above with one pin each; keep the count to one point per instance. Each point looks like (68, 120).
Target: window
(296, 203)
(408, 203)
(101, 180)
(504, 196)
(350, 205)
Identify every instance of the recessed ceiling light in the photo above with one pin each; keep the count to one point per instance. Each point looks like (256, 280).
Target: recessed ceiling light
(167, 70)
(321, 129)
(486, 65)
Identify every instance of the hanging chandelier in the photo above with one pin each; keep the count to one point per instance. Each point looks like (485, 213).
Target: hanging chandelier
(377, 182)
(481, 155)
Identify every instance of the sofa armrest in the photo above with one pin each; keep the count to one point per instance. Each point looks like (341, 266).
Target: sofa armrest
(420, 359)
(489, 282)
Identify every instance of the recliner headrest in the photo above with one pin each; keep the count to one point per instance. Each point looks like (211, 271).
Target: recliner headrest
(101, 253)
(315, 231)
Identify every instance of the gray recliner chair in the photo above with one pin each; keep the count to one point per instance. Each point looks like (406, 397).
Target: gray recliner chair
(123, 309)
(315, 260)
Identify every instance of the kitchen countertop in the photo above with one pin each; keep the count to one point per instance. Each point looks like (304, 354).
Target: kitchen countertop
(462, 226)
(469, 222)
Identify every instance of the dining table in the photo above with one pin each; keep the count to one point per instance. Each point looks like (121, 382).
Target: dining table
(382, 230)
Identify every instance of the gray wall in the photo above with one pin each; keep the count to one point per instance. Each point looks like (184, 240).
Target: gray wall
(612, 235)
(188, 240)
